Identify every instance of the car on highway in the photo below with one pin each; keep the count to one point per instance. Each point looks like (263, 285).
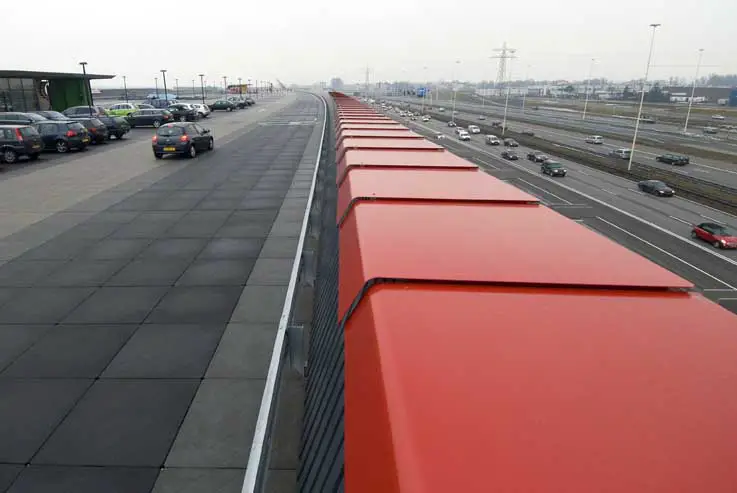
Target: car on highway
(425, 118)
(510, 143)
(122, 109)
(496, 123)
(181, 138)
(17, 141)
(536, 157)
(620, 153)
(710, 130)
(594, 139)
(97, 130)
(656, 187)
(717, 117)
(63, 137)
(482, 117)
(511, 155)
(529, 133)
(451, 123)
(463, 135)
(492, 140)
(674, 159)
(222, 104)
(52, 115)
(439, 135)
(150, 117)
(202, 109)
(718, 235)
(441, 110)
(473, 129)
(87, 110)
(553, 168)
(19, 118)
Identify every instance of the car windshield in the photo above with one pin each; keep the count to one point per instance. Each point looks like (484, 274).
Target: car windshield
(36, 118)
(53, 115)
(167, 130)
(553, 165)
(723, 231)
(659, 185)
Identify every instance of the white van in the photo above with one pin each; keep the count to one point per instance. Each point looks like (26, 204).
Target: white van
(463, 135)
(492, 140)
(473, 129)
(594, 139)
(621, 153)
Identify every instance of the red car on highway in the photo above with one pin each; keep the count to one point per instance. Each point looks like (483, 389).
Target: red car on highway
(716, 234)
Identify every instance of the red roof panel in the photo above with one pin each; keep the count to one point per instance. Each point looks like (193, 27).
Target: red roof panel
(388, 144)
(373, 126)
(492, 389)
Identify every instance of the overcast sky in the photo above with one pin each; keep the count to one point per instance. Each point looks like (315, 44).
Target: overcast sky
(307, 41)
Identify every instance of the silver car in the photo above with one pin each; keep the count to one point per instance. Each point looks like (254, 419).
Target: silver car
(202, 109)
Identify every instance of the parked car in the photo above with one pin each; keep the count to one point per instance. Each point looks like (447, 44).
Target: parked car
(250, 101)
(122, 109)
(17, 141)
(511, 155)
(63, 136)
(718, 235)
(675, 159)
(162, 104)
(97, 130)
(18, 118)
(510, 143)
(239, 103)
(184, 112)
(222, 104)
(148, 117)
(202, 109)
(553, 168)
(88, 111)
(182, 138)
(656, 187)
(146, 106)
(52, 115)
(117, 126)
(536, 157)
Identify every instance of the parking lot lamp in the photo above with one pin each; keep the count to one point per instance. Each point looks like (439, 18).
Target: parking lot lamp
(202, 86)
(87, 88)
(125, 88)
(225, 86)
(693, 90)
(240, 87)
(642, 96)
(166, 92)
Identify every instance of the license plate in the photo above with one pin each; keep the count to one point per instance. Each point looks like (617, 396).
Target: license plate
(37, 146)
(85, 139)
(170, 149)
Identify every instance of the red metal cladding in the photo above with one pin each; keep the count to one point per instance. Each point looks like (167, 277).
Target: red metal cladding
(387, 144)
(513, 244)
(395, 127)
(502, 389)
(376, 134)
(401, 159)
(420, 186)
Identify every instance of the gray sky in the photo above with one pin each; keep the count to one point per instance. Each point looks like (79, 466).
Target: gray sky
(303, 42)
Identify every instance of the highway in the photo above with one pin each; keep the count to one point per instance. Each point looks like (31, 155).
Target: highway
(658, 228)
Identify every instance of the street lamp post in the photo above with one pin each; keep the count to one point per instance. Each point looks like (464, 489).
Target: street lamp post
(693, 90)
(125, 88)
(176, 84)
(166, 92)
(240, 87)
(87, 88)
(455, 90)
(249, 89)
(194, 94)
(202, 86)
(156, 80)
(225, 86)
(424, 94)
(642, 96)
(527, 88)
(509, 88)
(586, 88)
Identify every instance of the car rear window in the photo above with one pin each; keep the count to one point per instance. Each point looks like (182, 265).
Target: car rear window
(75, 126)
(167, 130)
(97, 122)
(28, 132)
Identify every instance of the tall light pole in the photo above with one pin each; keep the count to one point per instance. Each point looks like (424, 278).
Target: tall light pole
(509, 88)
(176, 84)
(249, 89)
(156, 80)
(202, 86)
(194, 94)
(240, 87)
(693, 90)
(166, 93)
(87, 88)
(524, 96)
(642, 96)
(424, 94)
(586, 86)
(125, 88)
(455, 90)
(225, 86)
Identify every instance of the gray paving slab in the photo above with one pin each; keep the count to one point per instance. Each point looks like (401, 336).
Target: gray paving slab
(232, 248)
(116, 248)
(288, 423)
(281, 247)
(199, 480)
(286, 228)
(194, 305)
(20, 273)
(42, 305)
(271, 272)
(29, 412)
(281, 481)
(244, 351)
(38, 479)
(150, 272)
(82, 273)
(260, 304)
(220, 421)
(117, 305)
(172, 248)
(16, 339)
(166, 351)
(70, 352)
(217, 272)
(141, 418)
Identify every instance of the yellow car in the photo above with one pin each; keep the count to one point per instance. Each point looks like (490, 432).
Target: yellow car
(122, 109)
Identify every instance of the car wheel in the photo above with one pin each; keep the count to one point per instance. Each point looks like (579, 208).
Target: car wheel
(211, 144)
(717, 244)
(230, 109)
(10, 156)
(62, 146)
(157, 123)
(33, 157)
(192, 151)
(158, 155)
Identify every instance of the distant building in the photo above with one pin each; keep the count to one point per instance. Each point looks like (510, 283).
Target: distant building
(336, 84)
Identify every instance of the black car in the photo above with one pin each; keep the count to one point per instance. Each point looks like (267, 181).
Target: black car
(52, 115)
(511, 155)
(674, 159)
(17, 118)
(182, 138)
(222, 104)
(451, 124)
(63, 136)
(529, 133)
(250, 101)
(656, 187)
(17, 141)
(150, 117)
(184, 112)
(536, 157)
(97, 130)
(510, 143)
(553, 168)
(117, 126)
(239, 103)
(89, 111)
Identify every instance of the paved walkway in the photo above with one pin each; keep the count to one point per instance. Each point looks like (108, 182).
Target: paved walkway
(136, 324)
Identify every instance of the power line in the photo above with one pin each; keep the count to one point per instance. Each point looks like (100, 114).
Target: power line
(505, 53)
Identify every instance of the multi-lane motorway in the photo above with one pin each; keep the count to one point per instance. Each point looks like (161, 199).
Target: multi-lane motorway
(658, 228)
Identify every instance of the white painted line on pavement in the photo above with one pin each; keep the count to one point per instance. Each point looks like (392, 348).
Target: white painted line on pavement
(715, 168)
(666, 252)
(545, 191)
(608, 191)
(717, 289)
(485, 162)
(710, 218)
(680, 220)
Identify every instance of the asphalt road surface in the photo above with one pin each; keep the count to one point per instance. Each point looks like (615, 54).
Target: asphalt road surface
(139, 300)
(658, 228)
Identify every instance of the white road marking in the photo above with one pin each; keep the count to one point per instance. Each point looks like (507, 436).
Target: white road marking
(485, 163)
(608, 191)
(545, 191)
(666, 252)
(680, 220)
(710, 218)
(717, 289)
